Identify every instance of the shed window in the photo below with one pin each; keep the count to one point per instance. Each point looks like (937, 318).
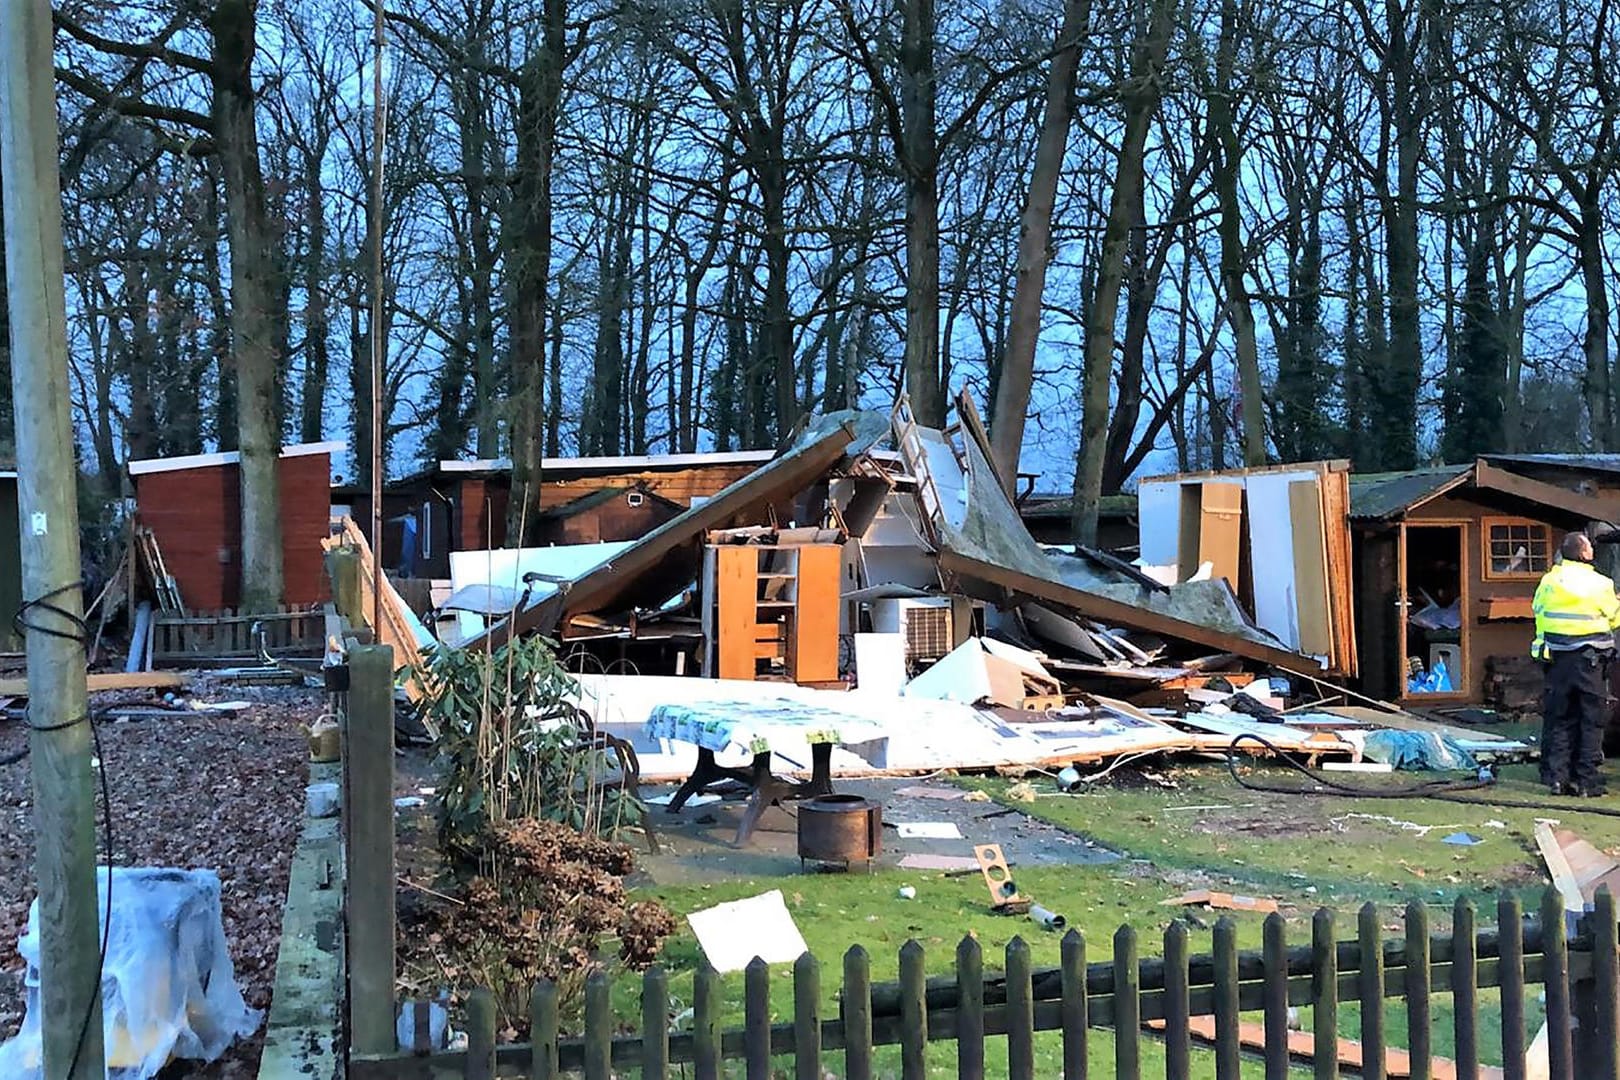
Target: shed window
(1516, 548)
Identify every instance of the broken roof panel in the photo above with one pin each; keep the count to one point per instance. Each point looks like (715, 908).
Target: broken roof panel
(669, 558)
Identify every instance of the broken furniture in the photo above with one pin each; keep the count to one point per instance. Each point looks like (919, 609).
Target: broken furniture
(784, 723)
(622, 753)
(840, 829)
(776, 603)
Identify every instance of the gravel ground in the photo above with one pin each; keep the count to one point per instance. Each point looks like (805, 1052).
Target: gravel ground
(198, 792)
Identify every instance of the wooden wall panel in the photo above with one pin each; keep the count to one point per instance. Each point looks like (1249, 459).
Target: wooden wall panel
(1311, 599)
(1220, 529)
(736, 584)
(815, 638)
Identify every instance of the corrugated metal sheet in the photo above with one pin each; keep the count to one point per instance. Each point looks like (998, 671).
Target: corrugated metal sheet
(1380, 496)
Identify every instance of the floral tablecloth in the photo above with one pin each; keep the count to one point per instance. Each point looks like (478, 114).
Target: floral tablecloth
(717, 725)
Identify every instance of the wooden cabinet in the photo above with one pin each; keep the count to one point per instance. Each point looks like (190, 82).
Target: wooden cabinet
(772, 612)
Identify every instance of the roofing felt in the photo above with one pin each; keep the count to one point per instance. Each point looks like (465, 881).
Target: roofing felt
(1605, 463)
(1379, 496)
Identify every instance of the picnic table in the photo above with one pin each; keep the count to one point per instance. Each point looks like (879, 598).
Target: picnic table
(753, 727)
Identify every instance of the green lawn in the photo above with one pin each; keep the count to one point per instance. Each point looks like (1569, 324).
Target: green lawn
(1204, 832)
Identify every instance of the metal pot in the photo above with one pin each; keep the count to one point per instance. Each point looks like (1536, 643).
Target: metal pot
(840, 829)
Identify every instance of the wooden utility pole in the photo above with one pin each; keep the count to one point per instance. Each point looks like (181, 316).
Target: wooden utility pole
(59, 738)
(379, 347)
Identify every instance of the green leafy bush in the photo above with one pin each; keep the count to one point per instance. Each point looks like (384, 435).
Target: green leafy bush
(514, 746)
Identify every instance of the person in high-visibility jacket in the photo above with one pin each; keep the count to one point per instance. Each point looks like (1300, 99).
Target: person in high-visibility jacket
(1577, 614)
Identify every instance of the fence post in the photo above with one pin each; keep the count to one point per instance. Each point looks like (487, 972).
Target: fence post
(1075, 1020)
(1325, 995)
(543, 1031)
(1275, 950)
(806, 1018)
(368, 769)
(343, 566)
(480, 1036)
(1127, 1007)
(857, 1014)
(1370, 984)
(654, 1024)
(1605, 1038)
(1465, 990)
(706, 1024)
(1227, 1062)
(969, 1010)
(1020, 1013)
(1177, 1045)
(1555, 977)
(598, 1028)
(1510, 978)
(913, 1012)
(757, 1019)
(1419, 1034)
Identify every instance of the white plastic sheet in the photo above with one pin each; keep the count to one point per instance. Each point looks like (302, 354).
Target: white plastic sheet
(168, 988)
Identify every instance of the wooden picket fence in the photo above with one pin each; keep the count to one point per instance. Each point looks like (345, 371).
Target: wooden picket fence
(228, 635)
(1580, 974)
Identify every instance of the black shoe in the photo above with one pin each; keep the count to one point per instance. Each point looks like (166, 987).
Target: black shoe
(1562, 789)
(1591, 792)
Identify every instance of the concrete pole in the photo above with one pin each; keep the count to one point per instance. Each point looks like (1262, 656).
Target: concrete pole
(59, 741)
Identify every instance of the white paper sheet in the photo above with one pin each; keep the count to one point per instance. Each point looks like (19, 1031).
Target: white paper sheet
(732, 934)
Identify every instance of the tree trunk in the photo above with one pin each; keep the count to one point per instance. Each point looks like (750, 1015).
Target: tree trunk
(253, 320)
(1234, 260)
(1141, 101)
(1595, 343)
(776, 331)
(920, 164)
(1395, 421)
(317, 354)
(1034, 248)
(529, 265)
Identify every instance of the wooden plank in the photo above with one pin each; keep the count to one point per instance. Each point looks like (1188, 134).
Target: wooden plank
(1108, 610)
(1341, 584)
(813, 653)
(1558, 868)
(1586, 507)
(1312, 604)
(100, 681)
(1506, 607)
(396, 630)
(1302, 1048)
(736, 574)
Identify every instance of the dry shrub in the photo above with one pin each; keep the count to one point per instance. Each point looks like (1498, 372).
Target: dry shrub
(553, 901)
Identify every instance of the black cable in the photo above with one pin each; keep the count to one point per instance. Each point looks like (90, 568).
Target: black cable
(81, 629)
(1453, 791)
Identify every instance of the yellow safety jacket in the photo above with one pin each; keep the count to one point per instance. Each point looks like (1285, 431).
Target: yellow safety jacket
(1575, 606)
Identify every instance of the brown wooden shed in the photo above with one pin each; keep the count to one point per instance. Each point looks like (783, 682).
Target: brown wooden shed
(1446, 563)
(193, 505)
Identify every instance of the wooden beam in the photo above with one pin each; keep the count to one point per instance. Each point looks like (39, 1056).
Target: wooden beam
(1588, 507)
(1109, 610)
(140, 680)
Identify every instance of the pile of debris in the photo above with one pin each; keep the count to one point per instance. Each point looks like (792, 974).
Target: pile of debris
(876, 570)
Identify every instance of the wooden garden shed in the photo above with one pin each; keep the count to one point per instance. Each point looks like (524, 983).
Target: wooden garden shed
(193, 505)
(1446, 563)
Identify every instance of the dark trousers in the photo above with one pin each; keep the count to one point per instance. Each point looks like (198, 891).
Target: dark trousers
(1575, 710)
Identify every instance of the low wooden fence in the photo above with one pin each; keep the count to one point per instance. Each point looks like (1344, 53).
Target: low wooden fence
(1580, 974)
(228, 635)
